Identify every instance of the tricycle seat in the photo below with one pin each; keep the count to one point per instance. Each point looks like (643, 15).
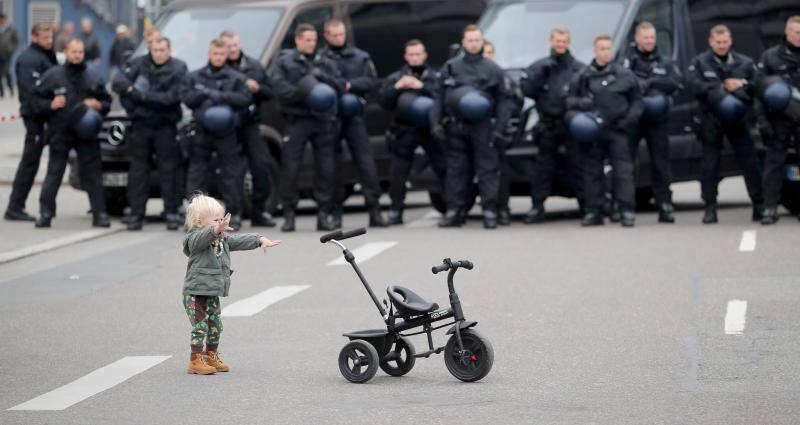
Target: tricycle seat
(408, 303)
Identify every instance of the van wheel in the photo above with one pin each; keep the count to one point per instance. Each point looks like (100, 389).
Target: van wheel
(644, 199)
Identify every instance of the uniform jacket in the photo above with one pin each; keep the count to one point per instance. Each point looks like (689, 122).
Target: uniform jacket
(152, 90)
(290, 67)
(548, 80)
(77, 83)
(31, 65)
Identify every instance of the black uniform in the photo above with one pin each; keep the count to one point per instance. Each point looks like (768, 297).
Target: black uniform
(356, 67)
(657, 75)
(201, 89)
(304, 125)
(547, 83)
(152, 93)
(31, 65)
(405, 137)
(707, 73)
(470, 145)
(256, 149)
(778, 131)
(77, 83)
(613, 93)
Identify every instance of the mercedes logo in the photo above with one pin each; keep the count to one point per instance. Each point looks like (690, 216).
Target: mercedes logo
(116, 133)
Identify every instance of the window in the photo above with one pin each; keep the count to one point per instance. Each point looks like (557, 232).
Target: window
(382, 29)
(754, 25)
(658, 13)
(191, 30)
(520, 30)
(315, 17)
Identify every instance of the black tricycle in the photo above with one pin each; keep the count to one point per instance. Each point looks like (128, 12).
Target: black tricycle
(467, 354)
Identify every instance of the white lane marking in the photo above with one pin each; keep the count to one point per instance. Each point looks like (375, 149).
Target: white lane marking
(365, 252)
(735, 317)
(748, 242)
(253, 305)
(91, 384)
(428, 220)
(57, 243)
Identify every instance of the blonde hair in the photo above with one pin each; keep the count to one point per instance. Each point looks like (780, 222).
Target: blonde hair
(200, 207)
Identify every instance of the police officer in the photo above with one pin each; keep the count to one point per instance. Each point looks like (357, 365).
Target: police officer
(502, 142)
(781, 64)
(31, 64)
(149, 86)
(547, 83)
(471, 90)
(74, 98)
(357, 69)
(307, 85)
(611, 94)
(409, 92)
(722, 81)
(217, 93)
(658, 79)
(255, 147)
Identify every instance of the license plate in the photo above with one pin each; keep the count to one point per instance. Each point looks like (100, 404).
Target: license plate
(793, 173)
(115, 179)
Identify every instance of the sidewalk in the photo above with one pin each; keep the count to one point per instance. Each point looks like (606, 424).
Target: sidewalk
(72, 225)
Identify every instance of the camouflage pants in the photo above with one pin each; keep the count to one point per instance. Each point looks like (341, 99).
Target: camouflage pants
(203, 312)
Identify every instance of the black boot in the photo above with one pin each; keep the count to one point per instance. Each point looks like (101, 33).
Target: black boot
(173, 221)
(324, 222)
(135, 223)
(288, 221)
(504, 217)
(18, 215)
(43, 221)
(627, 219)
(101, 220)
(236, 222)
(535, 215)
(665, 211)
(489, 219)
(769, 216)
(710, 214)
(452, 218)
(262, 219)
(592, 219)
(394, 217)
(376, 218)
(757, 215)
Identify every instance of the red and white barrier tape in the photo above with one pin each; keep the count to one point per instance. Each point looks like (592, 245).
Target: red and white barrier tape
(8, 118)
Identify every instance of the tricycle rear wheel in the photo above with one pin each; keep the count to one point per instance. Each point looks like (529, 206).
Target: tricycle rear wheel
(358, 361)
(400, 358)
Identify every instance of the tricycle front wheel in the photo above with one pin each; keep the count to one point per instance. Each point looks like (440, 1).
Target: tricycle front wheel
(474, 362)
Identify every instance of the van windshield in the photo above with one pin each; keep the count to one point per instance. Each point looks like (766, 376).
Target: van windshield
(191, 30)
(520, 31)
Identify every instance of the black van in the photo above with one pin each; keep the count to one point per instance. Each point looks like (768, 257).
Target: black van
(520, 31)
(381, 27)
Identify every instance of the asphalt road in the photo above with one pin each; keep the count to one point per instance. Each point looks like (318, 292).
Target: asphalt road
(680, 323)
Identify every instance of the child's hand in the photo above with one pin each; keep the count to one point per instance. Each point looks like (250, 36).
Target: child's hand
(266, 243)
(223, 225)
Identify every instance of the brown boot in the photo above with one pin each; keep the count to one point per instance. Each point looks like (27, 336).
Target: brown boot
(198, 365)
(213, 360)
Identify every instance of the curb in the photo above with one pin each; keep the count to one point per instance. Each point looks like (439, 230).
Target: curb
(57, 243)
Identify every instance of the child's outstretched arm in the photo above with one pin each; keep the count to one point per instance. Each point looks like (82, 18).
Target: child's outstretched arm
(247, 241)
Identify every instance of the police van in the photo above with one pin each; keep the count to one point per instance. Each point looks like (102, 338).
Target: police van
(381, 27)
(520, 32)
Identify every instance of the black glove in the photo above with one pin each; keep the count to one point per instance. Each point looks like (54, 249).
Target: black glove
(137, 96)
(585, 103)
(438, 133)
(321, 76)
